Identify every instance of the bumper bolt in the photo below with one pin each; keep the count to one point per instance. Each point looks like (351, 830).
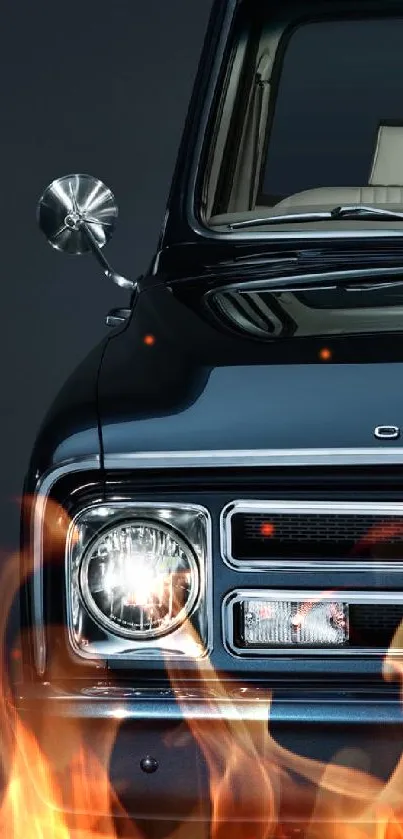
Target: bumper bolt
(149, 764)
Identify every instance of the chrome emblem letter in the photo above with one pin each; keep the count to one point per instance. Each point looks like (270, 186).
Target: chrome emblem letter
(387, 432)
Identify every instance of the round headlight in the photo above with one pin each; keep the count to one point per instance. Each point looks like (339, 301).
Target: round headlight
(139, 579)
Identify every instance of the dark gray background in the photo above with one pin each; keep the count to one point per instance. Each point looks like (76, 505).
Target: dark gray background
(98, 87)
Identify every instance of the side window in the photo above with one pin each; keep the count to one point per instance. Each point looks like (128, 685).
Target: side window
(340, 80)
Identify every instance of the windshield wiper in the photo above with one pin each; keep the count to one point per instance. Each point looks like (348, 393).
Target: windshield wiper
(358, 211)
(355, 212)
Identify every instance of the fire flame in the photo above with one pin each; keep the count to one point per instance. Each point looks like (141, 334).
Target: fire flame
(57, 786)
(253, 788)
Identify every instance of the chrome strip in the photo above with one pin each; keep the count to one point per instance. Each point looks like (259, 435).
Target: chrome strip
(364, 597)
(244, 700)
(308, 507)
(255, 457)
(42, 491)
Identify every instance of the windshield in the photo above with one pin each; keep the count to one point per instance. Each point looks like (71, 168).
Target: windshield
(312, 119)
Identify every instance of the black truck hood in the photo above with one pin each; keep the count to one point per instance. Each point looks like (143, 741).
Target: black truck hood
(264, 407)
(173, 382)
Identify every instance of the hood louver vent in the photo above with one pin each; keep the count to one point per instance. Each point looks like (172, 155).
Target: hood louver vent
(336, 306)
(249, 312)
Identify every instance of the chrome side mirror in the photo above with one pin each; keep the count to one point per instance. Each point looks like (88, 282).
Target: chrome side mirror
(77, 214)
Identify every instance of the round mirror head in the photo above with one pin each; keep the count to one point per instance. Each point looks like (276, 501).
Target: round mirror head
(71, 202)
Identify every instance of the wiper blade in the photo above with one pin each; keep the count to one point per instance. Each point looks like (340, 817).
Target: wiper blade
(289, 217)
(359, 211)
(355, 212)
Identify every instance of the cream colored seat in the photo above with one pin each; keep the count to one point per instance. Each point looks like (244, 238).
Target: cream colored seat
(387, 164)
(384, 189)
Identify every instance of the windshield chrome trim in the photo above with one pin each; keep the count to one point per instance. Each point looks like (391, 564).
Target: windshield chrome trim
(299, 235)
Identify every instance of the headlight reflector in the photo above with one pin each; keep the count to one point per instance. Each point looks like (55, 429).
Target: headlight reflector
(139, 579)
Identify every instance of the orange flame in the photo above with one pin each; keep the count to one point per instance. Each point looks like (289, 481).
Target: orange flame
(253, 788)
(379, 534)
(57, 785)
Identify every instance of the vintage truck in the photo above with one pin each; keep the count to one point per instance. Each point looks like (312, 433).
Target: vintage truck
(212, 552)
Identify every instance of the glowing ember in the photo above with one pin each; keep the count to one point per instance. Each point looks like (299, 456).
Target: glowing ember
(267, 528)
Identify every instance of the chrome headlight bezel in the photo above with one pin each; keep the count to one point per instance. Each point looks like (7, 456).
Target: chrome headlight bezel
(90, 634)
(110, 625)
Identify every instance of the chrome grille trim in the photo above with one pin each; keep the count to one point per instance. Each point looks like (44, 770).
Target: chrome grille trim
(43, 489)
(384, 455)
(350, 597)
(316, 507)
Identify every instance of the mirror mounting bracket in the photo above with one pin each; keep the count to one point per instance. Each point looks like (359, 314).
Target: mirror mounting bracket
(121, 281)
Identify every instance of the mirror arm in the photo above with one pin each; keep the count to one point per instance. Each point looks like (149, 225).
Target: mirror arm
(66, 212)
(123, 282)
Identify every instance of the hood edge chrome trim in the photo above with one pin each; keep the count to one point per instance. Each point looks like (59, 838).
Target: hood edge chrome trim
(254, 457)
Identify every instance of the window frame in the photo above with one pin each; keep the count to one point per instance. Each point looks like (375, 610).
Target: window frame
(279, 63)
(195, 202)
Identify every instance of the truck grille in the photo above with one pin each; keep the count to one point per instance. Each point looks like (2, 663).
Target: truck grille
(259, 534)
(374, 625)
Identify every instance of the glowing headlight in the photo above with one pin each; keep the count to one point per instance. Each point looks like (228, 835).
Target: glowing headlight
(139, 579)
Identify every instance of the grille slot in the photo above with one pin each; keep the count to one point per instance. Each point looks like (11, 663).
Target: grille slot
(314, 534)
(338, 536)
(374, 625)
